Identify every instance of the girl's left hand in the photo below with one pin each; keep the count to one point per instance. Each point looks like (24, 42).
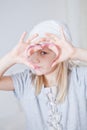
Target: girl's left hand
(67, 50)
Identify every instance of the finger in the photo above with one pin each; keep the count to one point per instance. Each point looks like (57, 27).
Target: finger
(54, 48)
(32, 37)
(52, 41)
(54, 63)
(48, 40)
(62, 33)
(52, 36)
(41, 40)
(31, 49)
(35, 49)
(23, 37)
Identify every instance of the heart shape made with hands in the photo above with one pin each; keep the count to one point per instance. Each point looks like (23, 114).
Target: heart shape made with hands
(34, 48)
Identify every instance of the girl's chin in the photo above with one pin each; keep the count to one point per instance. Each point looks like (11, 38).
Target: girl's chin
(43, 73)
(39, 73)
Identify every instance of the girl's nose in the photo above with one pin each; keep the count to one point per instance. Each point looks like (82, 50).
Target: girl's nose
(34, 58)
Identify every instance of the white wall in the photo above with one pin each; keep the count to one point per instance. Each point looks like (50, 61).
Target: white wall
(17, 16)
(83, 20)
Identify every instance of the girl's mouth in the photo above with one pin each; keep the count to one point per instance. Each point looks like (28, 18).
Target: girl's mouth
(36, 67)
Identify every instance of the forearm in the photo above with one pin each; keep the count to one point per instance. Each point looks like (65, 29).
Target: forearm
(80, 54)
(6, 62)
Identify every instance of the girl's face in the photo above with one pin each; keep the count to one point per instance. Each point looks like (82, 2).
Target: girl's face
(42, 60)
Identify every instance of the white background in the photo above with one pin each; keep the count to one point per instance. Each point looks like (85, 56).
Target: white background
(17, 16)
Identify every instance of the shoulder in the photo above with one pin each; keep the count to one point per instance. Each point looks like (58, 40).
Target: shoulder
(79, 71)
(78, 81)
(24, 74)
(22, 82)
(79, 74)
(22, 78)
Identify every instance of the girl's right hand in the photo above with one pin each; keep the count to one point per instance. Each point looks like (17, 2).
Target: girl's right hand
(18, 52)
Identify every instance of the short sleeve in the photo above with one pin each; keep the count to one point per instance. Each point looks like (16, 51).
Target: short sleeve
(81, 74)
(86, 81)
(21, 81)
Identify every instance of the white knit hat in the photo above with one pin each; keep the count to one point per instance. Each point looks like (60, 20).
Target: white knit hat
(51, 26)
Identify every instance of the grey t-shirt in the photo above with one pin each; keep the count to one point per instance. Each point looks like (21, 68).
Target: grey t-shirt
(73, 110)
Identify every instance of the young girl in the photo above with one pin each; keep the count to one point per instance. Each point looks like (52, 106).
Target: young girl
(53, 91)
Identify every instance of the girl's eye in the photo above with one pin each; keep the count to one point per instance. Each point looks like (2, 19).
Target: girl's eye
(43, 52)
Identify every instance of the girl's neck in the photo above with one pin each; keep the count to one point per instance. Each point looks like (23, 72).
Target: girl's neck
(51, 78)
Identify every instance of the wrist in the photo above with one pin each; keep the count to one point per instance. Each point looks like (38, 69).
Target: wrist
(6, 62)
(74, 55)
(11, 58)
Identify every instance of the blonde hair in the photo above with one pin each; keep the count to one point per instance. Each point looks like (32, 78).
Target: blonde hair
(63, 67)
(62, 84)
